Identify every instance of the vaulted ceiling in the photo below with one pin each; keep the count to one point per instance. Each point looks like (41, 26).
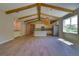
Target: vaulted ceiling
(30, 11)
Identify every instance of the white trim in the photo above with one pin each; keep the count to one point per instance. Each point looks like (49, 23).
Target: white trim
(6, 41)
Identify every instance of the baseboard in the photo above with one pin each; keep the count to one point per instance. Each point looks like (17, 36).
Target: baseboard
(6, 41)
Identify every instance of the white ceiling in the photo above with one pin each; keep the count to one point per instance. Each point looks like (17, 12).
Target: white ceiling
(8, 6)
(25, 19)
(26, 12)
(53, 12)
(71, 6)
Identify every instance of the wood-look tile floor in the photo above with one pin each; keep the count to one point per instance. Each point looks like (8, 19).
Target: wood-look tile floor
(37, 46)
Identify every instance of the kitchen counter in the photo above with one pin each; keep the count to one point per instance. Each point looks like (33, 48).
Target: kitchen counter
(40, 33)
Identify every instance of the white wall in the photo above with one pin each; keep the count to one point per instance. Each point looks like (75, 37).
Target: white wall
(39, 25)
(6, 27)
(22, 30)
(7, 32)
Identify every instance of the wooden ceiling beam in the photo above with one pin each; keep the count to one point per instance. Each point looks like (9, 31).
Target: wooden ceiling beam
(39, 10)
(30, 19)
(20, 9)
(39, 5)
(53, 21)
(57, 7)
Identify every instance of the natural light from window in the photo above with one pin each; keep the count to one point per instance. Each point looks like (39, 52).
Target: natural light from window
(70, 25)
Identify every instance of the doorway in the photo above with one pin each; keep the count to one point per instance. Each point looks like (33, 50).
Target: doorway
(30, 29)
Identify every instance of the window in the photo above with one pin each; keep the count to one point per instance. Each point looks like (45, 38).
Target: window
(70, 25)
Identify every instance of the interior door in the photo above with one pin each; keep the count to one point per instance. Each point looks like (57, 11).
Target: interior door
(30, 29)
